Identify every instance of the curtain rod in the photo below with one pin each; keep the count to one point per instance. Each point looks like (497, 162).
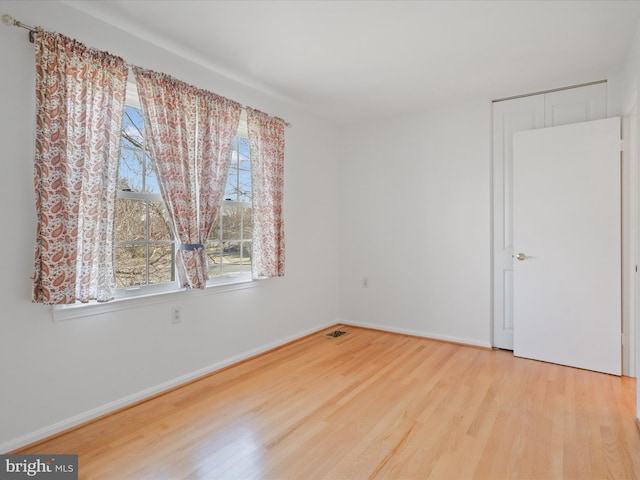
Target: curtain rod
(9, 21)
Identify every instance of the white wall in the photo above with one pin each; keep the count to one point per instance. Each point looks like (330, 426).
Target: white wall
(415, 201)
(67, 371)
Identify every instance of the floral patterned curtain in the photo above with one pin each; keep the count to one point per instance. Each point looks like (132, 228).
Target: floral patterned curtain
(79, 112)
(190, 135)
(266, 140)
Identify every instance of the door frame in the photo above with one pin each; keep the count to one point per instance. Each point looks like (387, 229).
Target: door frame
(630, 236)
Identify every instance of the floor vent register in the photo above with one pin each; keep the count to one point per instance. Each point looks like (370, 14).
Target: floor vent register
(335, 334)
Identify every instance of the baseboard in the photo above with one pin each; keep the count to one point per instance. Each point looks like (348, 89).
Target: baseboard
(415, 333)
(143, 395)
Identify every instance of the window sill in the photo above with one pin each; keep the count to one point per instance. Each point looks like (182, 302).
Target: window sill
(68, 312)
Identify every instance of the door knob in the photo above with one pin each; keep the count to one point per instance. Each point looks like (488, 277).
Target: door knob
(521, 256)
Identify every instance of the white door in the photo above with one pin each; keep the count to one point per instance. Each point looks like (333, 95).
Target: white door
(567, 273)
(572, 105)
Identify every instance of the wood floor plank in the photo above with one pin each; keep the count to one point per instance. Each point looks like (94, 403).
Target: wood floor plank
(371, 405)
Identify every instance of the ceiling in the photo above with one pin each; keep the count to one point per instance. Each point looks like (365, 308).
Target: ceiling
(350, 61)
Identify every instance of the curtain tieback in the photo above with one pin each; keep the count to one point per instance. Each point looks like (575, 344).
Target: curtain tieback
(191, 246)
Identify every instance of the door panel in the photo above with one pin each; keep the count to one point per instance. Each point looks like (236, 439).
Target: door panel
(567, 304)
(575, 105)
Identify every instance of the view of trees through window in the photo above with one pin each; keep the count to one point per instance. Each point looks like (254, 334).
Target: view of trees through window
(144, 245)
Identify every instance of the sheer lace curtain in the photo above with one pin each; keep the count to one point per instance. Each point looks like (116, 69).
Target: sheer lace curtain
(266, 140)
(190, 136)
(79, 112)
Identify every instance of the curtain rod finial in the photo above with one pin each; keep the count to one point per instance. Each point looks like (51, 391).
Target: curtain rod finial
(8, 20)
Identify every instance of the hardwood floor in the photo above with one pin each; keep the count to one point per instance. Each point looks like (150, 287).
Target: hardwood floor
(372, 405)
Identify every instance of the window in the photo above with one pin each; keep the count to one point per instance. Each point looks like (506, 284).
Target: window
(144, 245)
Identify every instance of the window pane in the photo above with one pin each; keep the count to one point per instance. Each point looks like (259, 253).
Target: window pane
(247, 223)
(136, 172)
(130, 220)
(160, 263)
(133, 128)
(246, 253)
(131, 171)
(231, 192)
(151, 182)
(233, 254)
(132, 159)
(239, 180)
(244, 186)
(231, 221)
(231, 257)
(244, 171)
(213, 258)
(131, 265)
(158, 222)
(214, 234)
(243, 152)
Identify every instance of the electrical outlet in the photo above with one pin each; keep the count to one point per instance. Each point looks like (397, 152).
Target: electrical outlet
(365, 282)
(176, 315)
